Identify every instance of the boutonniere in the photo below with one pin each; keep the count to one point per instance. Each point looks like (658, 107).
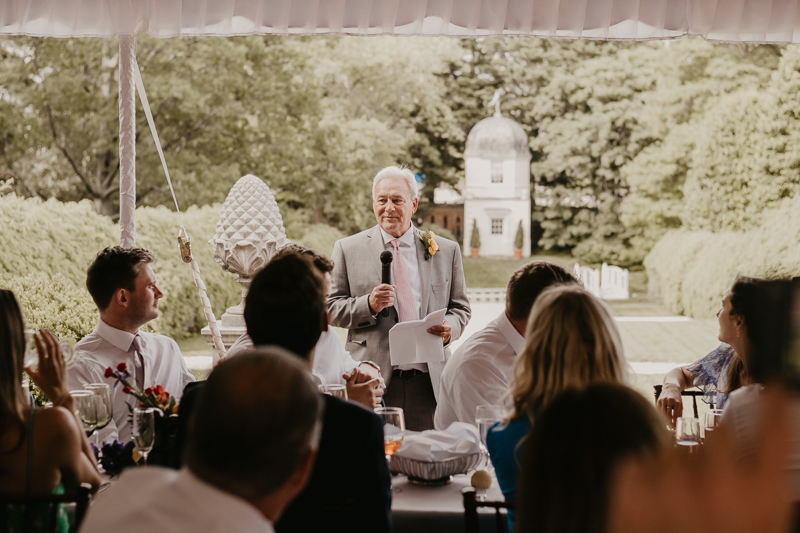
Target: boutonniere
(428, 238)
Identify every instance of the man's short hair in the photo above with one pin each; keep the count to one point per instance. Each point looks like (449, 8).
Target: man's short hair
(528, 282)
(321, 261)
(114, 268)
(257, 415)
(396, 172)
(286, 305)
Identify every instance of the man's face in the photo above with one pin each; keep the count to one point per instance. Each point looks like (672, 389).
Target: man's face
(143, 301)
(393, 206)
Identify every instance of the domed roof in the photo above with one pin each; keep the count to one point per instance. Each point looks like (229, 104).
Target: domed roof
(497, 137)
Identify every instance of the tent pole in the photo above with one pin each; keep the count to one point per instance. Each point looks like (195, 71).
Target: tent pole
(127, 141)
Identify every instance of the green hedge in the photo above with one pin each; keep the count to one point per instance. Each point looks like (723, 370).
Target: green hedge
(47, 246)
(691, 270)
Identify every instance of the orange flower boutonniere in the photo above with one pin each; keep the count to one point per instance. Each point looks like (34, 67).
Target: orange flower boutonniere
(428, 238)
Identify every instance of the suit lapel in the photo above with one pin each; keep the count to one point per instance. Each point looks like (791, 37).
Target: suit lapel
(424, 276)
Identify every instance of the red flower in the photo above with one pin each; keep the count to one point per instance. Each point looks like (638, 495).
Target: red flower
(122, 367)
(109, 372)
(149, 390)
(126, 389)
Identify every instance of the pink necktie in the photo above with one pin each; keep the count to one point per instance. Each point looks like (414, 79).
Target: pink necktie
(404, 294)
(138, 362)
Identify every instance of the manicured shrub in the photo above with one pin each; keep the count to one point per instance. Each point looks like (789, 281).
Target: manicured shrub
(321, 237)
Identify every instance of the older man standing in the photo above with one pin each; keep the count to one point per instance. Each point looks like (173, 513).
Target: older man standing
(419, 286)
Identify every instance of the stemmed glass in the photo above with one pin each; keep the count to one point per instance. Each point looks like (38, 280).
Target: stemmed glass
(31, 358)
(712, 419)
(144, 430)
(335, 390)
(86, 409)
(394, 427)
(102, 400)
(485, 417)
(687, 433)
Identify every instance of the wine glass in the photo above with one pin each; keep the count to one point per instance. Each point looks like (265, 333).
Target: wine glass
(86, 409)
(335, 390)
(687, 433)
(394, 426)
(31, 358)
(485, 417)
(102, 400)
(144, 430)
(712, 420)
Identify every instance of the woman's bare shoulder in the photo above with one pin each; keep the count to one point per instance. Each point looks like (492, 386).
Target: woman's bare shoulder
(56, 423)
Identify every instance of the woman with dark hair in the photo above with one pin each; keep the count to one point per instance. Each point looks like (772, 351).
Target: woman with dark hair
(573, 451)
(41, 450)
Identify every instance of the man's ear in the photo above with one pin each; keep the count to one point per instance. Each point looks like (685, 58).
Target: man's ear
(121, 297)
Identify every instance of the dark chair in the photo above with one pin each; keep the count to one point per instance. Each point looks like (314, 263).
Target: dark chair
(471, 504)
(80, 498)
(693, 393)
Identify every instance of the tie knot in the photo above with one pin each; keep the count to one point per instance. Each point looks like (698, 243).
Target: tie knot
(395, 243)
(137, 343)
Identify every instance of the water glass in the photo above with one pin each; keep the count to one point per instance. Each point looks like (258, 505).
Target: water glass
(687, 432)
(86, 409)
(712, 419)
(144, 430)
(337, 391)
(102, 400)
(31, 357)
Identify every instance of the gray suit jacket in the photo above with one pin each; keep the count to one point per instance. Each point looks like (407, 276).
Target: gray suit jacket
(357, 270)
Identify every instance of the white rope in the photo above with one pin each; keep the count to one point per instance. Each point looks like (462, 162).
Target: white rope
(183, 236)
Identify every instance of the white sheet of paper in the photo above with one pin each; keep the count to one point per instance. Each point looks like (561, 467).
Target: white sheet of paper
(410, 342)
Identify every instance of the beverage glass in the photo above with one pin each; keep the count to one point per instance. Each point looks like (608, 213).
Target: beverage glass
(86, 409)
(394, 427)
(338, 391)
(485, 417)
(144, 430)
(712, 420)
(31, 357)
(102, 400)
(687, 433)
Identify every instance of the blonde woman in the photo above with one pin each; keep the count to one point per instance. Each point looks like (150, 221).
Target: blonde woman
(570, 342)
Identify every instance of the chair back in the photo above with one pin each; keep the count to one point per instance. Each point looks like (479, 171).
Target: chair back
(471, 505)
(30, 502)
(693, 393)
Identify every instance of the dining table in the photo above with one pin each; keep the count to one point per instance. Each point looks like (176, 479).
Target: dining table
(438, 509)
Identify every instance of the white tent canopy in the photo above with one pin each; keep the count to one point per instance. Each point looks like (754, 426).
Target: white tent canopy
(753, 21)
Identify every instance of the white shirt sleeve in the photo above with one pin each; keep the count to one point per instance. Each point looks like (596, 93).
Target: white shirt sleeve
(477, 383)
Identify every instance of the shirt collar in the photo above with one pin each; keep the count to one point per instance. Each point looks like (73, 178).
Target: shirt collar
(407, 238)
(120, 339)
(511, 334)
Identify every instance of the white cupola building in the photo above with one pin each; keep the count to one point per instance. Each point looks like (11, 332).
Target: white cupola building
(497, 186)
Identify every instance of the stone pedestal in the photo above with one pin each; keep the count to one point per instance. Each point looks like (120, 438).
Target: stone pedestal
(249, 232)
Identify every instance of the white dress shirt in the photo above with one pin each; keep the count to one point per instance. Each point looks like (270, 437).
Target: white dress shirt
(478, 373)
(174, 501)
(107, 347)
(408, 251)
(331, 360)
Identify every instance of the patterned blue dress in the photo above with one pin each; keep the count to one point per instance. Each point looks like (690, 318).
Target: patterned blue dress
(710, 374)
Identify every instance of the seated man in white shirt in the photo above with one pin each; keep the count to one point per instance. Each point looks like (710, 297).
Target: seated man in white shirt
(332, 363)
(250, 451)
(123, 286)
(480, 371)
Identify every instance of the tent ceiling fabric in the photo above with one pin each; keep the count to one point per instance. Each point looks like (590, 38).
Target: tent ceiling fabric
(773, 21)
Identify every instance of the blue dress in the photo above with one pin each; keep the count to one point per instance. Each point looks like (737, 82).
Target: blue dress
(502, 441)
(711, 374)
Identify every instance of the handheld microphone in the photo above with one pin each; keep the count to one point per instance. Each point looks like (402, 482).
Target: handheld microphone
(386, 273)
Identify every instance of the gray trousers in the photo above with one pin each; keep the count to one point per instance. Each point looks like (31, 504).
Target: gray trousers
(414, 394)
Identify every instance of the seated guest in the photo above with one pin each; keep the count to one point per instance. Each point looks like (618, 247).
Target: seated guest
(123, 286)
(350, 483)
(44, 451)
(251, 449)
(332, 363)
(573, 452)
(718, 374)
(480, 370)
(571, 342)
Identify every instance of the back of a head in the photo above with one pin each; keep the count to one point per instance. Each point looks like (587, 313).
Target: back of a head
(257, 415)
(321, 261)
(12, 350)
(528, 282)
(286, 305)
(571, 341)
(570, 457)
(112, 269)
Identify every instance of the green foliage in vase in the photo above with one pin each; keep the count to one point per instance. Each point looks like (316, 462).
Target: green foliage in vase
(519, 237)
(475, 238)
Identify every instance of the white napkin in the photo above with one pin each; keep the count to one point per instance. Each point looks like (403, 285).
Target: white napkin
(431, 445)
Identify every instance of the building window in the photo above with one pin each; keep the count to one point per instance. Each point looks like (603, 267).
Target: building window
(497, 226)
(445, 222)
(497, 172)
(433, 220)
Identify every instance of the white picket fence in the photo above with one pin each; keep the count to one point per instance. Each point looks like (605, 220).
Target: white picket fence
(486, 295)
(609, 283)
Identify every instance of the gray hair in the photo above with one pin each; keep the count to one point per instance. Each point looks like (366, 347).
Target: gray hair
(396, 172)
